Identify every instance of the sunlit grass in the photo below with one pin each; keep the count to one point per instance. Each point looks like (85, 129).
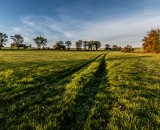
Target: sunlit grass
(135, 89)
(79, 90)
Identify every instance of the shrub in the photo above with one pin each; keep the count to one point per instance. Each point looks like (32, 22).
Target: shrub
(127, 48)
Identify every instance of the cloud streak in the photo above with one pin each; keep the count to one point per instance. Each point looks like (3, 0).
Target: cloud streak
(121, 31)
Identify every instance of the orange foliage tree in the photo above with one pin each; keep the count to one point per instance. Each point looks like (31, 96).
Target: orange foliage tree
(151, 42)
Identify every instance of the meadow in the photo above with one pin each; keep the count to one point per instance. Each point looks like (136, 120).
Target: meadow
(76, 90)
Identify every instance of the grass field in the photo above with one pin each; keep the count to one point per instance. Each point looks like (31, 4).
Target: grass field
(138, 49)
(93, 90)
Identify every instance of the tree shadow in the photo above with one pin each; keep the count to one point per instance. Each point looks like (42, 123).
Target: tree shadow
(39, 85)
(37, 96)
(76, 116)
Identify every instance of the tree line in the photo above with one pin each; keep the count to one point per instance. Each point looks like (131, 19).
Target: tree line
(151, 43)
(87, 45)
(113, 48)
(42, 42)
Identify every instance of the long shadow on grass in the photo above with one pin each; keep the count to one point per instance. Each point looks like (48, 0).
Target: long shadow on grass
(39, 94)
(53, 79)
(76, 116)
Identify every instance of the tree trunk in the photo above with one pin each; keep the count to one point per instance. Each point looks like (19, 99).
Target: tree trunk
(43, 47)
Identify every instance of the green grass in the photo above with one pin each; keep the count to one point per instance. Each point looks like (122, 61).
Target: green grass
(138, 49)
(134, 82)
(79, 90)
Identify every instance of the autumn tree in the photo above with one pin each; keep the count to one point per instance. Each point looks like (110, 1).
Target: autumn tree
(40, 41)
(127, 48)
(3, 39)
(151, 42)
(17, 39)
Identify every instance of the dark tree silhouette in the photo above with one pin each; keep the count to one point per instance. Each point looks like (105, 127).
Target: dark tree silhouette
(97, 44)
(59, 46)
(17, 39)
(68, 44)
(79, 44)
(20, 45)
(3, 39)
(85, 44)
(119, 48)
(90, 45)
(40, 41)
(114, 47)
(107, 47)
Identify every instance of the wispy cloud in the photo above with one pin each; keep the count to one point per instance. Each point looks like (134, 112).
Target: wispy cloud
(120, 31)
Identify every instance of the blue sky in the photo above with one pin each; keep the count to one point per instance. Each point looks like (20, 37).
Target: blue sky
(119, 22)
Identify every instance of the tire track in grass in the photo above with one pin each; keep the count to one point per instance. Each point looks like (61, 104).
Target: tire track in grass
(98, 118)
(42, 86)
(66, 103)
(75, 117)
(43, 79)
(17, 109)
(55, 77)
